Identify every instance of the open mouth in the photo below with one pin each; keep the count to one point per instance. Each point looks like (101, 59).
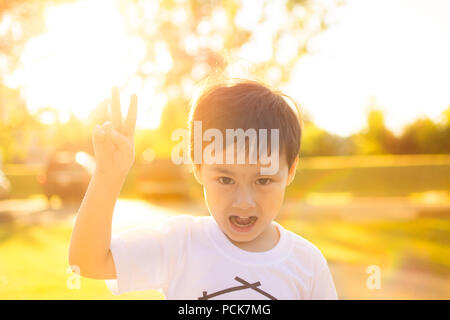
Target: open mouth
(242, 224)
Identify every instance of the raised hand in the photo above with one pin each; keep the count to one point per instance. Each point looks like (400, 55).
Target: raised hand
(114, 141)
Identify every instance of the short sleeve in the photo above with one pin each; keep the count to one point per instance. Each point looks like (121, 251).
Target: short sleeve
(145, 257)
(323, 285)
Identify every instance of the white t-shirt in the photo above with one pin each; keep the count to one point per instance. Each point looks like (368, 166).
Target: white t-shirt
(191, 258)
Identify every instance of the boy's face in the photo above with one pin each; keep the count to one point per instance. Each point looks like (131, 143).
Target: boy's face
(239, 190)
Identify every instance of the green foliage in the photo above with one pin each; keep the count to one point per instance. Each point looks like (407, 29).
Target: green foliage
(426, 136)
(423, 136)
(318, 142)
(376, 138)
(29, 16)
(16, 125)
(19, 130)
(35, 266)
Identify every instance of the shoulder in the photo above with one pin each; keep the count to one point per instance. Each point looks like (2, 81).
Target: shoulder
(185, 225)
(180, 220)
(306, 251)
(178, 225)
(186, 221)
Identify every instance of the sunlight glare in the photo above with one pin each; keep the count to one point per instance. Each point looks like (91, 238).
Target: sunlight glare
(73, 66)
(402, 62)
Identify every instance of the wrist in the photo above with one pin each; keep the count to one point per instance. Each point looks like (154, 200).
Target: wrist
(116, 178)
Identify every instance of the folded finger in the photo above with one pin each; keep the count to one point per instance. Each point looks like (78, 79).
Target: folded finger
(108, 126)
(118, 139)
(99, 134)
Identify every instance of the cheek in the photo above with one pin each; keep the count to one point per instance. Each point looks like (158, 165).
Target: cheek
(215, 196)
(271, 198)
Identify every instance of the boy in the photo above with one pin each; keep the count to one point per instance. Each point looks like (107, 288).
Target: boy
(239, 251)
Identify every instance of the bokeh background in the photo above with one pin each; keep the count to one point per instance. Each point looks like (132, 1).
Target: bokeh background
(372, 187)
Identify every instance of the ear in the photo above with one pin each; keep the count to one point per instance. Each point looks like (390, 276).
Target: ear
(197, 173)
(292, 170)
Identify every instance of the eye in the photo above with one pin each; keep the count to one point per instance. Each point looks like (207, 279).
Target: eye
(263, 181)
(225, 180)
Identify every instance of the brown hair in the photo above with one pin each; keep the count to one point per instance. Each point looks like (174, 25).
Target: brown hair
(240, 103)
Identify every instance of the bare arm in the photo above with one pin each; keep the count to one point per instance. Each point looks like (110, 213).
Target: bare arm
(114, 151)
(91, 235)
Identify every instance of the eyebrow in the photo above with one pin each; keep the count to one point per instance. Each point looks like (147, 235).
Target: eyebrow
(221, 170)
(225, 171)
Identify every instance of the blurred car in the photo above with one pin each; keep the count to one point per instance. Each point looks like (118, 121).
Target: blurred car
(162, 179)
(5, 186)
(67, 175)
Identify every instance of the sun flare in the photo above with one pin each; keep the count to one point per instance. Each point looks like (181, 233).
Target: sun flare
(84, 52)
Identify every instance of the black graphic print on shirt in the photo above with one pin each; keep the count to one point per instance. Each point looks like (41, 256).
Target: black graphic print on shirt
(245, 285)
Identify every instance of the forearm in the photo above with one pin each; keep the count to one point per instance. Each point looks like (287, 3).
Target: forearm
(91, 235)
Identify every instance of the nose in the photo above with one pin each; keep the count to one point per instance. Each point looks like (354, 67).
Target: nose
(243, 198)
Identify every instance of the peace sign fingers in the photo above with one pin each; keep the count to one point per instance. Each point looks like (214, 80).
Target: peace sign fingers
(126, 127)
(130, 122)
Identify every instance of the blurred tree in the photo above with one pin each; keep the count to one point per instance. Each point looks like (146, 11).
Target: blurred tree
(195, 39)
(426, 136)
(20, 20)
(174, 117)
(318, 142)
(445, 130)
(198, 39)
(204, 39)
(16, 125)
(420, 137)
(375, 138)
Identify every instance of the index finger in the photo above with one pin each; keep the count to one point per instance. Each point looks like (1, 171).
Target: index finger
(130, 121)
(116, 114)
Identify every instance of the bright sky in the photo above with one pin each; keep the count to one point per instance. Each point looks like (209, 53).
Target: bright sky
(396, 51)
(73, 66)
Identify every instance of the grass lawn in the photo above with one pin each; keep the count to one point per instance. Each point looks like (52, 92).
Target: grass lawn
(421, 243)
(33, 265)
(33, 259)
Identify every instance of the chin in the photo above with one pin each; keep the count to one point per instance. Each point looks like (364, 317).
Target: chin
(241, 237)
